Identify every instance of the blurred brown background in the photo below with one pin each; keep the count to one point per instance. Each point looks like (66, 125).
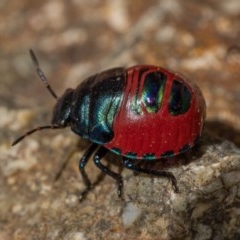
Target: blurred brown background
(72, 40)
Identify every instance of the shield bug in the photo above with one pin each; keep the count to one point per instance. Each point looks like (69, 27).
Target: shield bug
(142, 113)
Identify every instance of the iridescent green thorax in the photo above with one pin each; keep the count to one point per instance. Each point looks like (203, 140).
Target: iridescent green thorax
(95, 103)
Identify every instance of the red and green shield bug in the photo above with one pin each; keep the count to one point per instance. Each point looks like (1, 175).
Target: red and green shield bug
(142, 113)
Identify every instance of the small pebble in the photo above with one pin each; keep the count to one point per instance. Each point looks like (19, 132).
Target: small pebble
(130, 214)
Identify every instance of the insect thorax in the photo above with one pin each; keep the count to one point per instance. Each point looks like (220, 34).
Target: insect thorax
(95, 103)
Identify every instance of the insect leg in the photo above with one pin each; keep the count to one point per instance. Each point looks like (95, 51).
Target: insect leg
(82, 163)
(101, 152)
(129, 163)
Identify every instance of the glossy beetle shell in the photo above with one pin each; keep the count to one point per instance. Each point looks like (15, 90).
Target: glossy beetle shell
(142, 112)
(156, 134)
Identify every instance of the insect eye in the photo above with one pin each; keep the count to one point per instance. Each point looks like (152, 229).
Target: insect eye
(180, 98)
(153, 89)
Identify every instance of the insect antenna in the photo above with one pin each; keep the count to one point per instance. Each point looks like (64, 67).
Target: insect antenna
(35, 130)
(41, 74)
